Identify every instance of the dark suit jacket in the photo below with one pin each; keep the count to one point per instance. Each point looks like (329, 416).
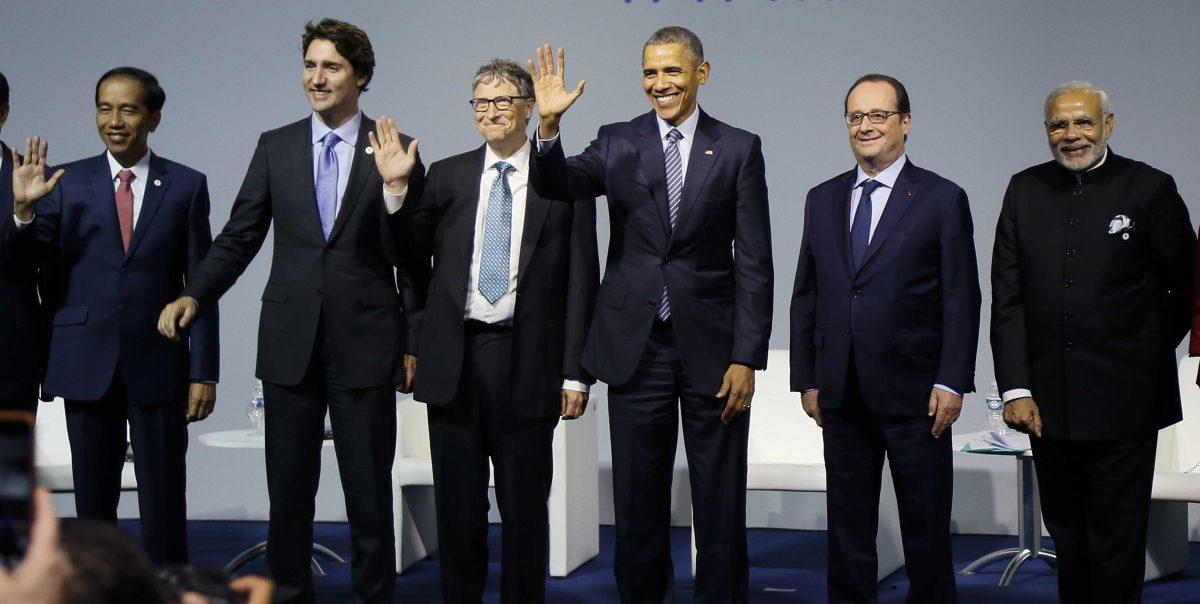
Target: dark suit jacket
(557, 277)
(23, 324)
(107, 301)
(909, 316)
(347, 285)
(716, 263)
(1086, 319)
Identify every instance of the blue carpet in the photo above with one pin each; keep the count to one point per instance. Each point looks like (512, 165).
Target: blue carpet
(786, 566)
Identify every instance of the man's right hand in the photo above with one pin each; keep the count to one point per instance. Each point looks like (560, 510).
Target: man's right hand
(177, 316)
(29, 178)
(811, 407)
(410, 374)
(394, 162)
(550, 94)
(1022, 415)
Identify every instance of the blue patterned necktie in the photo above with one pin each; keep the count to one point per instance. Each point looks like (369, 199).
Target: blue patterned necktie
(497, 237)
(674, 165)
(327, 180)
(860, 231)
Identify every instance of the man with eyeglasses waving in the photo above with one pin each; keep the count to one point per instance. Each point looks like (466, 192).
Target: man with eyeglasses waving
(1091, 286)
(884, 324)
(499, 326)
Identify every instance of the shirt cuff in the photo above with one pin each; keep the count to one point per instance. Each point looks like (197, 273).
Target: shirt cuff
(947, 389)
(575, 385)
(21, 224)
(544, 145)
(1015, 393)
(393, 202)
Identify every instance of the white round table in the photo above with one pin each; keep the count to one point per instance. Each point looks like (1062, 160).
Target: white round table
(253, 439)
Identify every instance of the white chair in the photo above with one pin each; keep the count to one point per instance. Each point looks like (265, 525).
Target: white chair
(574, 494)
(786, 454)
(1176, 482)
(52, 454)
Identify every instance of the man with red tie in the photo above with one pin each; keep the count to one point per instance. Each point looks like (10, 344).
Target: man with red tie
(124, 230)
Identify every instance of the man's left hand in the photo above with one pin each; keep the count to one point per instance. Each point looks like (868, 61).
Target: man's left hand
(394, 162)
(944, 408)
(201, 400)
(738, 386)
(550, 93)
(574, 403)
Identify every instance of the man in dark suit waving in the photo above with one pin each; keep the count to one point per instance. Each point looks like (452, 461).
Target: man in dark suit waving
(331, 333)
(885, 320)
(502, 328)
(124, 231)
(682, 319)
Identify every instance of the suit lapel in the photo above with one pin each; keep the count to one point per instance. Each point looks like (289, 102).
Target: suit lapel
(702, 157)
(156, 187)
(105, 199)
(6, 194)
(360, 171)
(901, 198)
(654, 169)
(841, 221)
(536, 209)
(465, 232)
(306, 192)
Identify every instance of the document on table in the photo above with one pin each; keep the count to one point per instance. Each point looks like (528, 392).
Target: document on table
(994, 442)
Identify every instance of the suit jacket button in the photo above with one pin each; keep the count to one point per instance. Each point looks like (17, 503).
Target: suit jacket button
(121, 308)
(1067, 316)
(847, 330)
(666, 259)
(650, 303)
(1071, 252)
(317, 291)
(1068, 283)
(1073, 222)
(1078, 192)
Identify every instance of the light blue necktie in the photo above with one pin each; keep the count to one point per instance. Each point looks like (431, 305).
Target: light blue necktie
(497, 237)
(674, 196)
(327, 180)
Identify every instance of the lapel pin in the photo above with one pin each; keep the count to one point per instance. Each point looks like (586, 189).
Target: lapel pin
(909, 193)
(157, 182)
(368, 150)
(708, 151)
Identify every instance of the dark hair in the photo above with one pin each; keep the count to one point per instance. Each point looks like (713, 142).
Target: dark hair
(350, 42)
(153, 95)
(902, 104)
(3, 89)
(106, 567)
(212, 583)
(673, 34)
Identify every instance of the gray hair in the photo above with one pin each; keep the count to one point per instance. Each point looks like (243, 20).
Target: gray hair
(673, 34)
(1077, 86)
(507, 71)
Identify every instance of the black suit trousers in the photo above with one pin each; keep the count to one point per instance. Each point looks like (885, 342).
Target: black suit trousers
(1096, 504)
(477, 425)
(158, 433)
(644, 415)
(364, 439)
(856, 440)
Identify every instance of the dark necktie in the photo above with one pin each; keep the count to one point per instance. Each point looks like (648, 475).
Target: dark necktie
(674, 168)
(860, 231)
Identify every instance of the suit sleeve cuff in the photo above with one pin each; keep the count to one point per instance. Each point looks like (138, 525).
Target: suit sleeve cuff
(21, 224)
(1015, 393)
(947, 389)
(544, 145)
(575, 385)
(393, 202)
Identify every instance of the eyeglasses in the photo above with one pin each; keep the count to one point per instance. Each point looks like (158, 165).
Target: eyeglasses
(876, 117)
(1084, 124)
(501, 102)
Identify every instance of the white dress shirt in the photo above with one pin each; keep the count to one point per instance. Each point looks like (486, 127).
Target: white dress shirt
(1016, 393)
(141, 173)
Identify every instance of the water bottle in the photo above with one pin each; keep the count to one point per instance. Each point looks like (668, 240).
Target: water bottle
(256, 410)
(995, 411)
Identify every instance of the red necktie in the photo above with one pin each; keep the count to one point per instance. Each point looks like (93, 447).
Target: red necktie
(125, 207)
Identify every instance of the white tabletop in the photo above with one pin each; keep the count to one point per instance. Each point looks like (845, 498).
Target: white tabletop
(248, 438)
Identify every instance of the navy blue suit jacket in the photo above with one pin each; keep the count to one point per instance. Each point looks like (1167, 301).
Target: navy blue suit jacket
(909, 316)
(22, 322)
(107, 301)
(720, 300)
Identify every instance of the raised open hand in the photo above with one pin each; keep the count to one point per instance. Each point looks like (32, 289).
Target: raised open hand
(29, 177)
(394, 163)
(553, 98)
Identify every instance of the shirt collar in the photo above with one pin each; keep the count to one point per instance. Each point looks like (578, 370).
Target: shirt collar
(1101, 162)
(348, 132)
(141, 170)
(687, 128)
(887, 177)
(519, 160)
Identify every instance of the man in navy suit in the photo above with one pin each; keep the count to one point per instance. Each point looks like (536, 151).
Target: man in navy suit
(682, 320)
(22, 326)
(885, 319)
(125, 229)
